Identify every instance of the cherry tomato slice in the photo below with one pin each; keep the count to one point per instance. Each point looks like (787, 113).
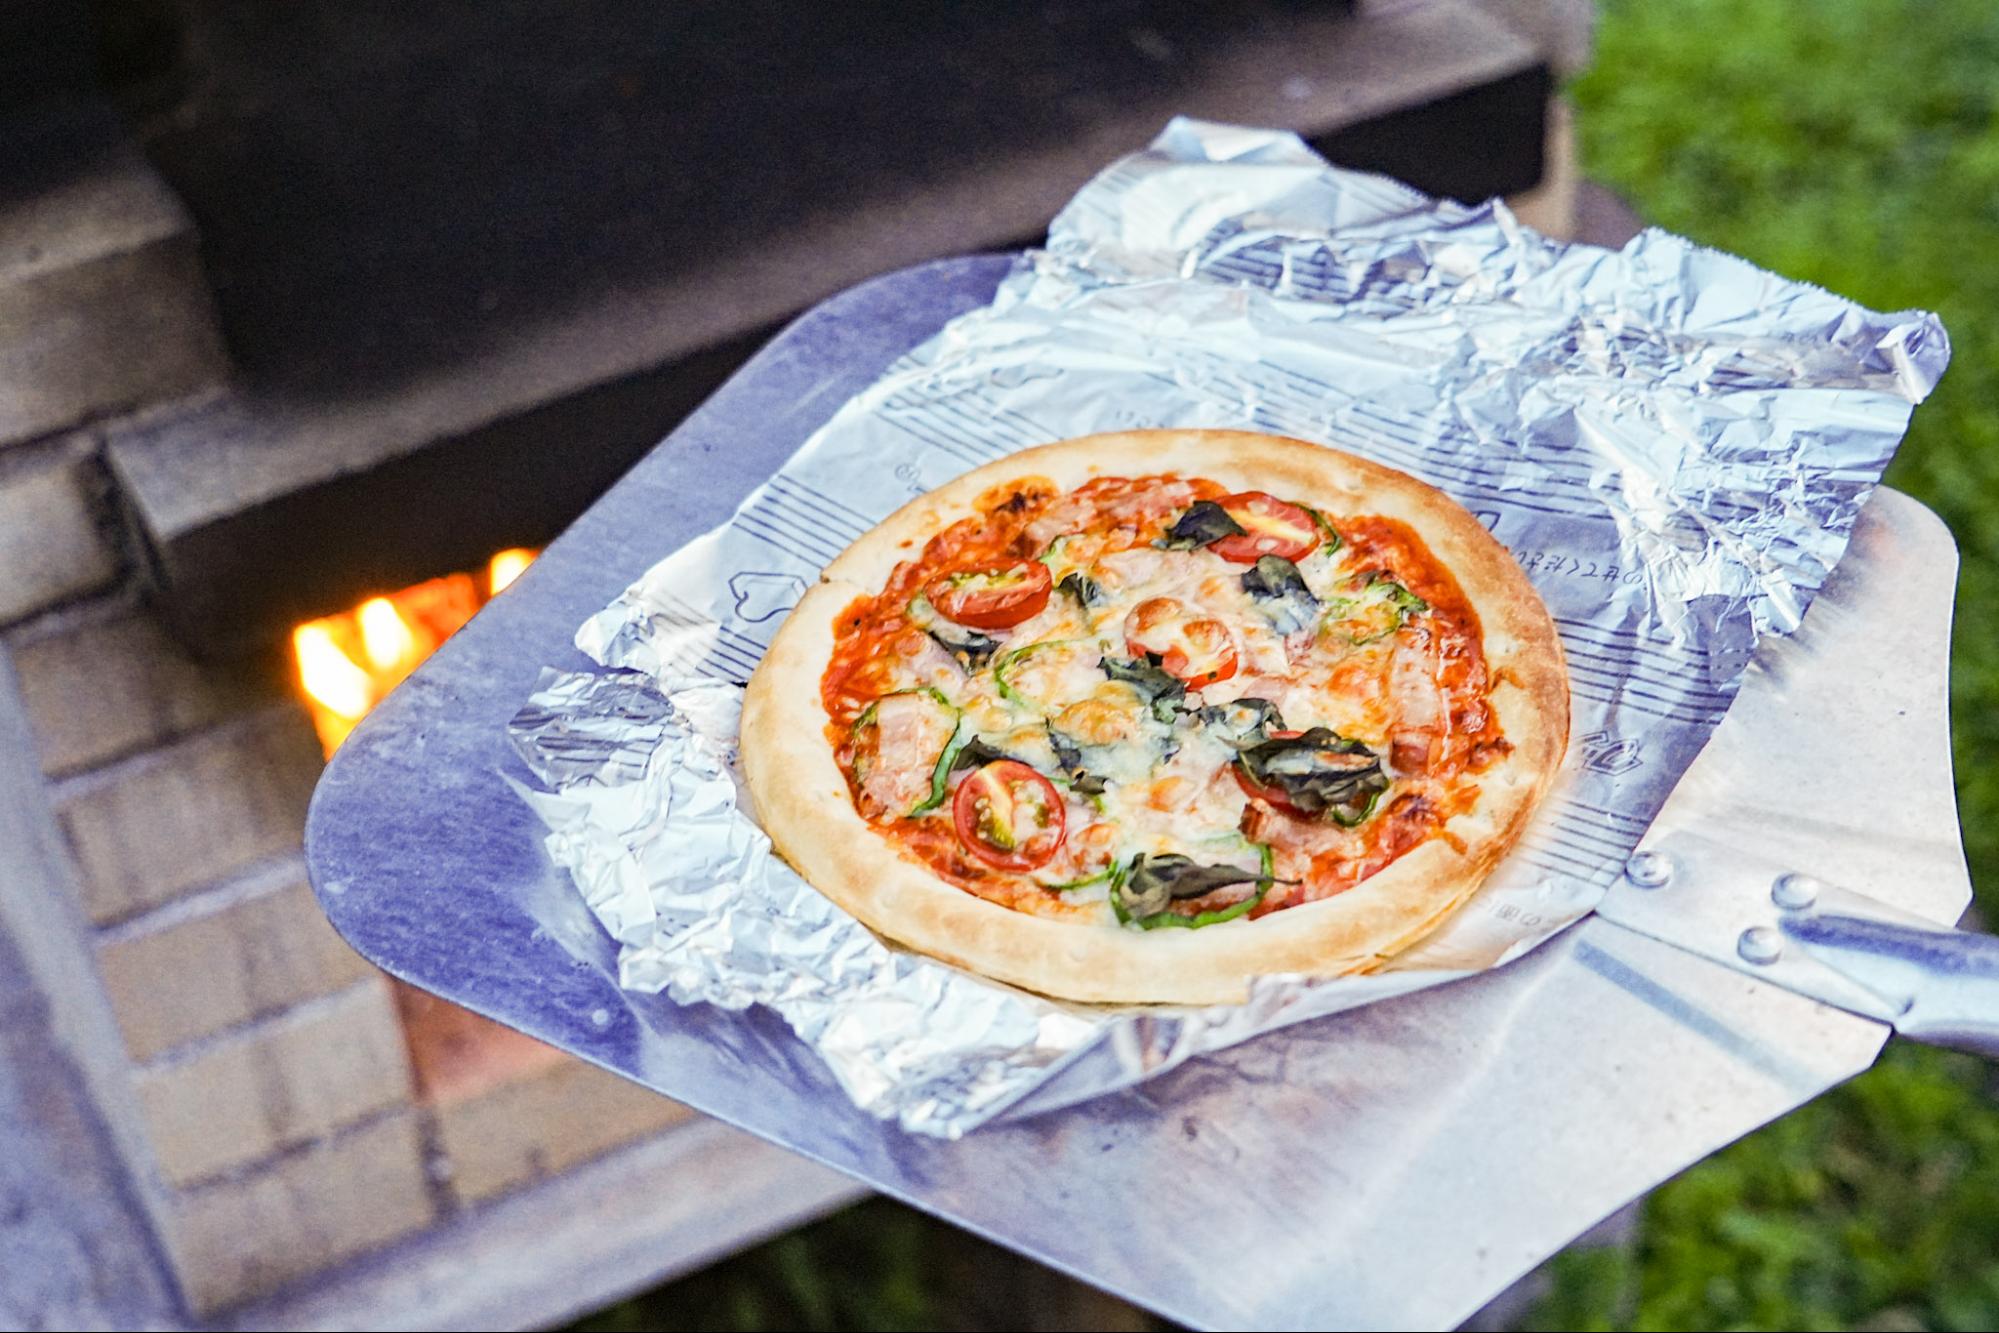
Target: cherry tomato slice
(1009, 816)
(1195, 650)
(991, 598)
(1270, 527)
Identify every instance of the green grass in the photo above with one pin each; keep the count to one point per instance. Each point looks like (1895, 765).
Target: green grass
(1854, 144)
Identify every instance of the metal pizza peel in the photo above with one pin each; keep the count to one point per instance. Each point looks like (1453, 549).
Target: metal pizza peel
(1394, 1166)
(1814, 843)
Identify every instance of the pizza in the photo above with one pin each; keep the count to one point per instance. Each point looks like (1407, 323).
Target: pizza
(1140, 717)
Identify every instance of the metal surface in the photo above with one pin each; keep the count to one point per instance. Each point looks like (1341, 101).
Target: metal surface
(1780, 865)
(1280, 1153)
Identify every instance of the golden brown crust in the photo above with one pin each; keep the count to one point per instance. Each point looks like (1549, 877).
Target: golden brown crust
(802, 799)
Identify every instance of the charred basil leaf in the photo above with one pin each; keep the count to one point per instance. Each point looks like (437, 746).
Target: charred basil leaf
(1153, 883)
(975, 753)
(1070, 756)
(1320, 773)
(1081, 587)
(1241, 724)
(1280, 590)
(1150, 680)
(1144, 892)
(1274, 576)
(972, 649)
(1204, 522)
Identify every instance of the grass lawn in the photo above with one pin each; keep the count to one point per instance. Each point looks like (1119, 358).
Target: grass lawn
(1854, 144)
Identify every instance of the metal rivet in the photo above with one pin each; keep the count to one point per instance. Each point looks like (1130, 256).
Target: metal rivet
(1795, 892)
(1760, 945)
(1649, 870)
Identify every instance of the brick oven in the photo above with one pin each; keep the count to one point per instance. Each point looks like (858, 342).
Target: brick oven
(303, 308)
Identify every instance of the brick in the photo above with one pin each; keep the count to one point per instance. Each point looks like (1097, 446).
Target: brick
(162, 692)
(248, 959)
(103, 304)
(543, 1124)
(248, 1236)
(192, 813)
(277, 1085)
(50, 546)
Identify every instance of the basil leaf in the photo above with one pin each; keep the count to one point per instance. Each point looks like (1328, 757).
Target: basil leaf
(1143, 892)
(1274, 576)
(1281, 593)
(1070, 756)
(1204, 522)
(1155, 684)
(1081, 587)
(1320, 773)
(971, 648)
(975, 753)
(1241, 724)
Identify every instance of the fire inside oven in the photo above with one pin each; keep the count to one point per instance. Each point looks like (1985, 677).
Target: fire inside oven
(347, 663)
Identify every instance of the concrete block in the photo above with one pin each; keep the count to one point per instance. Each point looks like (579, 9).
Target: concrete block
(50, 545)
(149, 830)
(277, 1085)
(249, 1235)
(544, 1124)
(103, 303)
(173, 981)
(67, 672)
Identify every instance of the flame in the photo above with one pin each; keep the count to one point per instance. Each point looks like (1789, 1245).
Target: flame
(505, 568)
(348, 662)
(329, 674)
(385, 635)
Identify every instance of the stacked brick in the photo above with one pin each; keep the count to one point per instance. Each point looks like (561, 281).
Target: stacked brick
(286, 1125)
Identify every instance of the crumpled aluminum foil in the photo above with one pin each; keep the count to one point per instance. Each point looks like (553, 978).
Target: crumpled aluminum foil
(1673, 443)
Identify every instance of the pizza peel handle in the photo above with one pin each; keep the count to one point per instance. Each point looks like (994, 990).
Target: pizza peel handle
(1939, 986)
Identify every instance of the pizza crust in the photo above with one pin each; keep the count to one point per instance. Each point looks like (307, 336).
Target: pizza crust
(802, 800)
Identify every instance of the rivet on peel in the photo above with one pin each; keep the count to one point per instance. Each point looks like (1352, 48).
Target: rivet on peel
(1795, 892)
(1760, 945)
(1649, 870)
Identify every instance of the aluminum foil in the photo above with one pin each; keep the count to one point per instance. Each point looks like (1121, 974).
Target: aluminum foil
(1673, 443)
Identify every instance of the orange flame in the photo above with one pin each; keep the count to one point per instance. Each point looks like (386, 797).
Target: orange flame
(505, 568)
(348, 663)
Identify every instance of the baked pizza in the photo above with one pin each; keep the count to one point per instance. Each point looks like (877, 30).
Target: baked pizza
(1140, 717)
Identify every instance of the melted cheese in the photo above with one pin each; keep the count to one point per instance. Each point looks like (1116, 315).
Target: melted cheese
(1146, 775)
